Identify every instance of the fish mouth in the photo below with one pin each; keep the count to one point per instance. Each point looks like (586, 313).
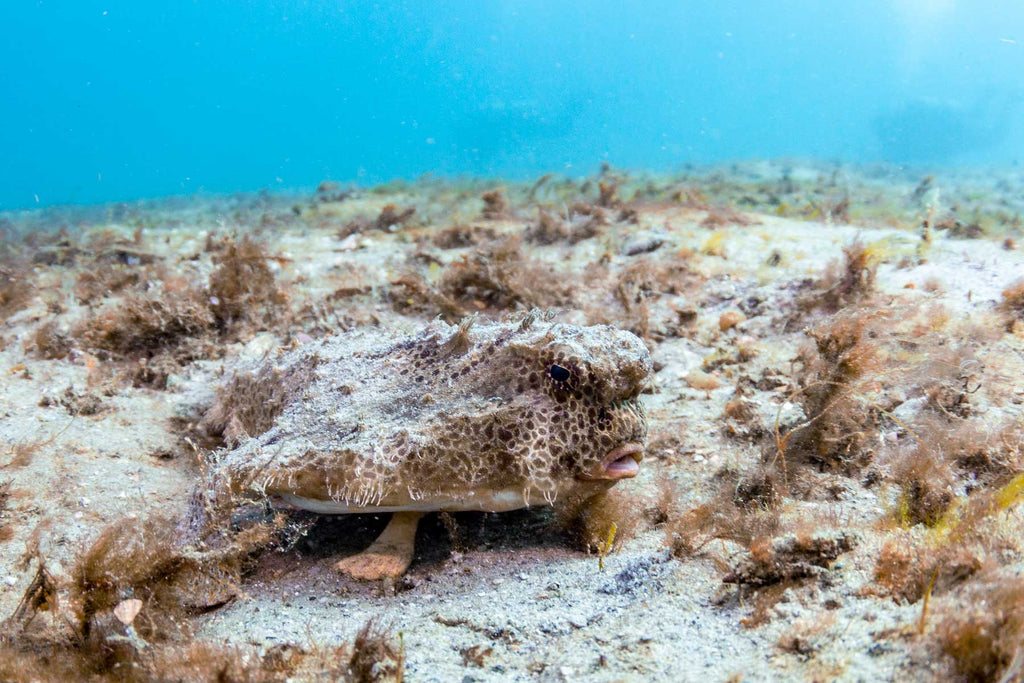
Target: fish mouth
(620, 463)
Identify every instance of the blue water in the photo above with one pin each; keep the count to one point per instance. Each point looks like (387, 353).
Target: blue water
(103, 101)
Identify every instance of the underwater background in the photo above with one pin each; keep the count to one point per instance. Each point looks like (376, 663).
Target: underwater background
(112, 101)
(795, 228)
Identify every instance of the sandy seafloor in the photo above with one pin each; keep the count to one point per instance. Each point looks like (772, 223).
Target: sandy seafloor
(674, 253)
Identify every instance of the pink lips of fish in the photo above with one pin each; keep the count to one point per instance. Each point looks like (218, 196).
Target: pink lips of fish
(620, 463)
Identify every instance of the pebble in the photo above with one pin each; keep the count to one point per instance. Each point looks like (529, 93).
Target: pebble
(730, 319)
(349, 243)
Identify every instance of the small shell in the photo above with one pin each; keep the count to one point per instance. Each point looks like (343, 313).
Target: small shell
(127, 610)
(730, 319)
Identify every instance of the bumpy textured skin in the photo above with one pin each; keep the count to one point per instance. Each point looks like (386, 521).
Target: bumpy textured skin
(439, 420)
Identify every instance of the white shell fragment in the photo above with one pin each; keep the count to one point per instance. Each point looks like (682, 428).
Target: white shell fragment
(127, 610)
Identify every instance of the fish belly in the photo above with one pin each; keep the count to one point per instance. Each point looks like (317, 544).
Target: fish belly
(501, 500)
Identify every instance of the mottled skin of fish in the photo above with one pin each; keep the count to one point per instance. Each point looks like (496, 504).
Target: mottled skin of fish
(479, 416)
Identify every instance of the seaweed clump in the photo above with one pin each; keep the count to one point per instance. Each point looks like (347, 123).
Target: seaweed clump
(390, 219)
(837, 372)
(499, 277)
(128, 595)
(496, 205)
(604, 522)
(723, 216)
(949, 449)
(1013, 306)
(172, 322)
(789, 558)
(376, 658)
(134, 558)
(743, 509)
(926, 487)
(462, 236)
(912, 565)
(131, 592)
(985, 634)
(845, 282)
(581, 222)
(147, 322)
(635, 288)
(15, 290)
(549, 229)
(774, 554)
(111, 262)
(92, 284)
(50, 342)
(6, 531)
(909, 568)
(242, 288)
(608, 192)
(195, 661)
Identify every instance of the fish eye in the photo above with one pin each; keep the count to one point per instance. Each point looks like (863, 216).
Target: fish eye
(558, 373)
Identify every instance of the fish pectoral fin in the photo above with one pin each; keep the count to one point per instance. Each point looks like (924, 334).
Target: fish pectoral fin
(388, 556)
